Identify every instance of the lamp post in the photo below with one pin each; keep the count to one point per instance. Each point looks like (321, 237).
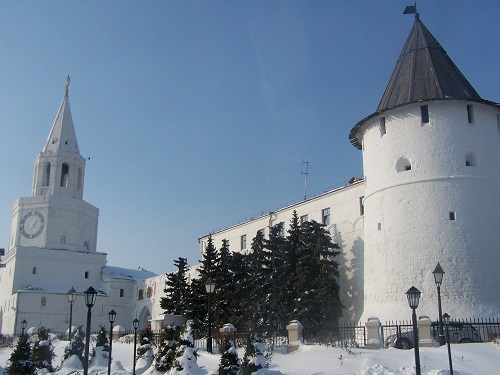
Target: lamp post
(71, 299)
(112, 318)
(438, 278)
(90, 296)
(135, 323)
(210, 287)
(23, 326)
(446, 319)
(413, 295)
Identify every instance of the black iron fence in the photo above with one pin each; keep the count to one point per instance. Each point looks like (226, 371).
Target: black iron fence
(346, 334)
(460, 331)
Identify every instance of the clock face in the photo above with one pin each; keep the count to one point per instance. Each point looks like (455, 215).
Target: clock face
(32, 224)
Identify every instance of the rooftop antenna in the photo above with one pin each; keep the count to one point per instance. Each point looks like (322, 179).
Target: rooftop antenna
(305, 177)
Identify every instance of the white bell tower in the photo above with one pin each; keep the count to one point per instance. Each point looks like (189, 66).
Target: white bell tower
(56, 216)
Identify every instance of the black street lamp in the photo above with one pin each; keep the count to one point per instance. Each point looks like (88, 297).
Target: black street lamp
(413, 295)
(446, 319)
(90, 296)
(210, 287)
(71, 299)
(438, 278)
(112, 318)
(135, 323)
(23, 326)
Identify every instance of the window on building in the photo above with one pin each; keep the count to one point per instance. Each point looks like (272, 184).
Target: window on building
(303, 219)
(149, 292)
(43, 301)
(424, 110)
(64, 175)
(453, 215)
(79, 181)
(34, 270)
(262, 232)
(382, 126)
(243, 242)
(122, 292)
(379, 226)
(470, 114)
(325, 216)
(86, 274)
(282, 229)
(470, 160)
(403, 164)
(63, 239)
(46, 175)
(361, 206)
(141, 294)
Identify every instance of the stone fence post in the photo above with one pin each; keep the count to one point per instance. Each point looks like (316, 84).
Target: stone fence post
(373, 336)
(294, 329)
(424, 332)
(228, 330)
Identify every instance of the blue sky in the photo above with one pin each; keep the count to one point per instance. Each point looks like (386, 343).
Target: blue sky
(199, 114)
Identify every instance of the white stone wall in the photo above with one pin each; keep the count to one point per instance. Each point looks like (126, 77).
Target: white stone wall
(407, 213)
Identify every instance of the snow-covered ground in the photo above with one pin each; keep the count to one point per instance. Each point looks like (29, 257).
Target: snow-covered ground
(468, 359)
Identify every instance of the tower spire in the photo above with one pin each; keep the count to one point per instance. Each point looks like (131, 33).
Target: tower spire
(68, 80)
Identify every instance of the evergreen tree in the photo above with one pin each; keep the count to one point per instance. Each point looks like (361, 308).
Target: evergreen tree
(258, 283)
(146, 342)
(317, 302)
(42, 352)
(76, 345)
(102, 339)
(225, 288)
(20, 359)
(199, 299)
(164, 358)
(177, 298)
(186, 353)
(229, 363)
(276, 301)
(241, 306)
(254, 358)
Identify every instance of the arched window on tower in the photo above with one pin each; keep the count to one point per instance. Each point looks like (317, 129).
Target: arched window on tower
(65, 175)
(46, 175)
(403, 164)
(79, 179)
(470, 160)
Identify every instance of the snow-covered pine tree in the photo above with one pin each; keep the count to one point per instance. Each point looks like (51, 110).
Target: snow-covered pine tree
(76, 345)
(165, 356)
(42, 352)
(146, 341)
(254, 358)
(20, 359)
(229, 363)
(102, 339)
(186, 353)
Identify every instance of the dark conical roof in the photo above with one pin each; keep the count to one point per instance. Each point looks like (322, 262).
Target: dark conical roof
(423, 72)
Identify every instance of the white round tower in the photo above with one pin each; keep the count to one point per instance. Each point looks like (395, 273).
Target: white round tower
(432, 182)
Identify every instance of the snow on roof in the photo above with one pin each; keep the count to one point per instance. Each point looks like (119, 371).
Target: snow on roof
(127, 273)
